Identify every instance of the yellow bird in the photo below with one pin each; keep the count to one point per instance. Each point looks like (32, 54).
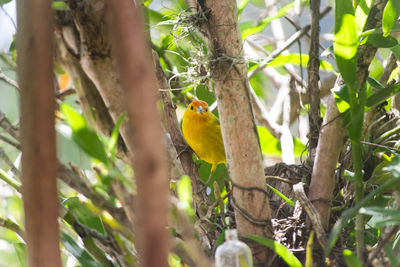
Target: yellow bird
(202, 132)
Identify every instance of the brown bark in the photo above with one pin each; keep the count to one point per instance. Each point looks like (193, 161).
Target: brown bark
(149, 163)
(185, 155)
(95, 56)
(239, 133)
(39, 191)
(313, 79)
(329, 146)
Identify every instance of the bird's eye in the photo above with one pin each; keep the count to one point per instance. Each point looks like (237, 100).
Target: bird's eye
(191, 107)
(206, 109)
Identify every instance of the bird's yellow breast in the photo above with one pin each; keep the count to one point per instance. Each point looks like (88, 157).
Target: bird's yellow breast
(203, 134)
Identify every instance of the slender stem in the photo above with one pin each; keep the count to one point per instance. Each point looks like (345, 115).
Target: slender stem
(10, 181)
(359, 194)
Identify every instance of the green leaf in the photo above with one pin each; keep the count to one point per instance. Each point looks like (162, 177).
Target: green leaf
(279, 249)
(20, 250)
(390, 15)
(342, 98)
(112, 145)
(384, 217)
(342, 92)
(350, 213)
(146, 3)
(299, 147)
(396, 51)
(345, 41)
(80, 254)
(383, 94)
(84, 215)
(241, 6)
(362, 11)
(379, 41)
(269, 144)
(298, 59)
(351, 259)
(85, 137)
(265, 22)
(3, 2)
(375, 83)
(59, 5)
(75, 120)
(286, 199)
(391, 254)
(184, 190)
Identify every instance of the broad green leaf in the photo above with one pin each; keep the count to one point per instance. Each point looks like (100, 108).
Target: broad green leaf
(385, 217)
(68, 150)
(362, 11)
(241, 6)
(279, 249)
(84, 215)
(269, 144)
(20, 250)
(286, 199)
(390, 15)
(396, 51)
(147, 2)
(79, 253)
(184, 190)
(342, 98)
(383, 94)
(75, 120)
(375, 83)
(299, 147)
(342, 92)
(59, 5)
(298, 59)
(351, 259)
(85, 137)
(379, 41)
(350, 213)
(345, 41)
(380, 175)
(265, 22)
(220, 239)
(258, 83)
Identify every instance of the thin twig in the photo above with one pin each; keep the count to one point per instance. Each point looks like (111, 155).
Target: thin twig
(9, 180)
(283, 179)
(9, 16)
(8, 80)
(8, 162)
(10, 225)
(380, 245)
(62, 94)
(10, 142)
(8, 127)
(278, 51)
(312, 213)
(6, 58)
(297, 27)
(380, 146)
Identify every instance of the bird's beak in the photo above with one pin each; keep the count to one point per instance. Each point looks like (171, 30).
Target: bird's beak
(200, 109)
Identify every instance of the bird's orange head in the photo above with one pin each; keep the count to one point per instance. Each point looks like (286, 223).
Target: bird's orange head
(198, 106)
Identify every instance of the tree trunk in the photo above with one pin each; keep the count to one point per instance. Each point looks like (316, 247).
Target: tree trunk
(149, 162)
(39, 190)
(239, 131)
